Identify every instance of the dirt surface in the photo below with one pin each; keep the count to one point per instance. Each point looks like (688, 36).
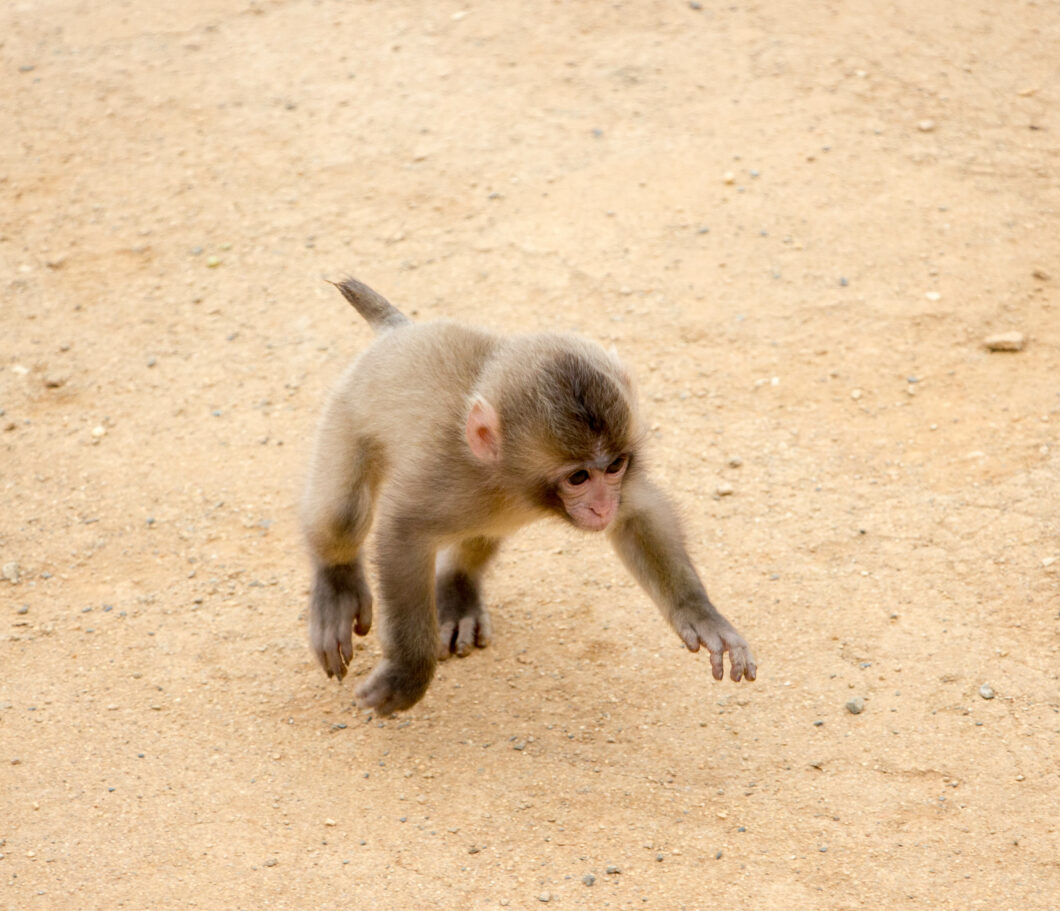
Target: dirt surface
(797, 222)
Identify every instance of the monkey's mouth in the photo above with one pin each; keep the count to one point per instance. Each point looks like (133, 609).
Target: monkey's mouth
(590, 521)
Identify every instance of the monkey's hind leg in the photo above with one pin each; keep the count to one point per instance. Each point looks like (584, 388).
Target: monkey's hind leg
(463, 623)
(337, 514)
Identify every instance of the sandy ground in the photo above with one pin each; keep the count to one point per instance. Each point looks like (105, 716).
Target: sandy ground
(797, 222)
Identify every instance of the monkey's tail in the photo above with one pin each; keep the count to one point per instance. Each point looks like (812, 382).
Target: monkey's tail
(377, 311)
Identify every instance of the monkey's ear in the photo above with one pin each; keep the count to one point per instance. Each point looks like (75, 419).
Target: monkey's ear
(483, 431)
(623, 370)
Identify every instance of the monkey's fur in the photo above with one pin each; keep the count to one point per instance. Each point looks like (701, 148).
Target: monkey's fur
(453, 438)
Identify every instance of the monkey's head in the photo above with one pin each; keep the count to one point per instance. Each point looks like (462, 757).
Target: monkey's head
(563, 432)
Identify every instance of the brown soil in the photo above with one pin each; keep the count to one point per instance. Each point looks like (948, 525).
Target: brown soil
(796, 221)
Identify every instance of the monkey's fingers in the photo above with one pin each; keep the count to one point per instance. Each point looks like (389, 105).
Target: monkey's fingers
(718, 641)
(741, 661)
(717, 654)
(333, 653)
(340, 603)
(750, 669)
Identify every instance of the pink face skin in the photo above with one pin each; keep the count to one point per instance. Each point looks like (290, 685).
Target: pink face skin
(591, 494)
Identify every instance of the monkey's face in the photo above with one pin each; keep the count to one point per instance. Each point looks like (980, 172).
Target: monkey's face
(591, 492)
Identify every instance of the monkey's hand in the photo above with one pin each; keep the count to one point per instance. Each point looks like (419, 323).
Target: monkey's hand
(392, 687)
(340, 604)
(718, 635)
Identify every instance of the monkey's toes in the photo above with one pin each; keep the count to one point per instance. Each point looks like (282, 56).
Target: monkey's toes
(460, 636)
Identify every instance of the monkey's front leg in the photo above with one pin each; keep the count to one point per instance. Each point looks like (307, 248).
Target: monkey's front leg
(647, 536)
(409, 623)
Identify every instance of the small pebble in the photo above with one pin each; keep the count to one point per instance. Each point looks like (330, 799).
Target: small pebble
(213, 262)
(588, 879)
(729, 177)
(98, 431)
(843, 282)
(1005, 341)
(725, 490)
(735, 462)
(933, 296)
(926, 126)
(856, 706)
(271, 862)
(545, 897)
(986, 691)
(855, 394)
(12, 572)
(613, 868)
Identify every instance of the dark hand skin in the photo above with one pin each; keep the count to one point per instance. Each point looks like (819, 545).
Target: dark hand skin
(340, 604)
(703, 625)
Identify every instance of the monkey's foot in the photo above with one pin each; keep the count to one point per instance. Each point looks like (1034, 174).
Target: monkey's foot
(393, 687)
(462, 628)
(459, 635)
(463, 623)
(340, 604)
(718, 635)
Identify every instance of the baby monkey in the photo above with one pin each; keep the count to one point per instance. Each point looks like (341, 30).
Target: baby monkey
(452, 438)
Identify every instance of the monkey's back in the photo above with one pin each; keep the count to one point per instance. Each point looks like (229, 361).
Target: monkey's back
(412, 385)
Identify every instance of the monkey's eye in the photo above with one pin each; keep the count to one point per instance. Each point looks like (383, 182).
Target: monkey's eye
(578, 478)
(617, 465)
